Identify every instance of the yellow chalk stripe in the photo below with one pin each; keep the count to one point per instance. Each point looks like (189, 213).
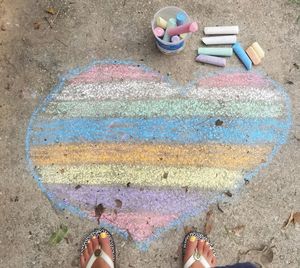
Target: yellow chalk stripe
(206, 178)
(221, 156)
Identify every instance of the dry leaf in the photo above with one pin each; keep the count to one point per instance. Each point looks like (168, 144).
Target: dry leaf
(58, 235)
(51, 10)
(99, 210)
(267, 255)
(186, 188)
(129, 238)
(288, 221)
(219, 208)
(296, 218)
(228, 193)
(118, 203)
(237, 230)
(36, 25)
(209, 222)
(188, 229)
(219, 123)
(261, 256)
(165, 175)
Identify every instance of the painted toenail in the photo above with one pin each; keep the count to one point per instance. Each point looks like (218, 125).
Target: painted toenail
(94, 237)
(89, 241)
(103, 235)
(193, 238)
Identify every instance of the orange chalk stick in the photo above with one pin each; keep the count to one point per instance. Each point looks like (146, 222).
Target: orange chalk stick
(253, 55)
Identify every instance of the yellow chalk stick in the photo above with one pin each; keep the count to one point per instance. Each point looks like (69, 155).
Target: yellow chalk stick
(253, 55)
(259, 51)
(182, 36)
(161, 22)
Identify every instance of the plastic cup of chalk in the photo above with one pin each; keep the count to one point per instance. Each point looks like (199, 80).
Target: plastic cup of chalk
(166, 19)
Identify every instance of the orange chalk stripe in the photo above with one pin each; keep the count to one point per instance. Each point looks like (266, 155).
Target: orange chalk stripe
(206, 155)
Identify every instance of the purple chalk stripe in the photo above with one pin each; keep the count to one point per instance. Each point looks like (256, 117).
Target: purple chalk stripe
(164, 201)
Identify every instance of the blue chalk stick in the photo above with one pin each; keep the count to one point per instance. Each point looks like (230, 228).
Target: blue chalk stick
(180, 18)
(240, 52)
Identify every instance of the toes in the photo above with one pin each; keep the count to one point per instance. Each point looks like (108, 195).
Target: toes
(86, 255)
(82, 261)
(104, 243)
(208, 254)
(95, 243)
(206, 248)
(200, 246)
(190, 247)
(90, 247)
(213, 261)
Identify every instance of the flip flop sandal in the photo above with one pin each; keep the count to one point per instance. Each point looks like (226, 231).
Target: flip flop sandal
(196, 256)
(99, 253)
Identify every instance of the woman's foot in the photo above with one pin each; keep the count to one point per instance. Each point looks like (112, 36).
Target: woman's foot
(203, 248)
(93, 244)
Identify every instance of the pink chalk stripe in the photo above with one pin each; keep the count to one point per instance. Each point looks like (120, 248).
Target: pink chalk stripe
(140, 225)
(234, 79)
(110, 72)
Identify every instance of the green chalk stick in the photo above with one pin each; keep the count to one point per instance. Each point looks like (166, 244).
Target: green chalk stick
(216, 51)
(171, 24)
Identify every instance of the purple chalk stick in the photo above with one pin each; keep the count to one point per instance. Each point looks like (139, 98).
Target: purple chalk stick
(211, 60)
(175, 39)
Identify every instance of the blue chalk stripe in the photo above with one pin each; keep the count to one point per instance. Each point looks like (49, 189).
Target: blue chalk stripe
(159, 130)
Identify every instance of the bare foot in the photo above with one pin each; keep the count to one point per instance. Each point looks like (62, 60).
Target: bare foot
(203, 248)
(93, 244)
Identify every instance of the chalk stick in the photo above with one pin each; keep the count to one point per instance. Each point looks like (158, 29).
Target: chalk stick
(216, 51)
(175, 39)
(180, 18)
(171, 24)
(219, 40)
(240, 52)
(259, 51)
(160, 22)
(211, 60)
(190, 27)
(221, 30)
(159, 32)
(253, 55)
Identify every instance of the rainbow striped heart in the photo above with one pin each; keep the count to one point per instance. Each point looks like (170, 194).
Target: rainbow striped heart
(149, 151)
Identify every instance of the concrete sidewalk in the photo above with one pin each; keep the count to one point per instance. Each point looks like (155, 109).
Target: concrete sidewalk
(37, 47)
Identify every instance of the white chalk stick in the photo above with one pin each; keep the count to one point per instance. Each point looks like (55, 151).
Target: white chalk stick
(221, 30)
(219, 40)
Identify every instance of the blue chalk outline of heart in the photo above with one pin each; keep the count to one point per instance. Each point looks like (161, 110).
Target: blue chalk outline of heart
(144, 245)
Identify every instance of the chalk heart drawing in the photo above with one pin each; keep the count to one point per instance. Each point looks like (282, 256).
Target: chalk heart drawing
(152, 153)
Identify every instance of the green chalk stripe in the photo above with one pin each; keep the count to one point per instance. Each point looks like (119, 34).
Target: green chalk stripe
(164, 108)
(216, 51)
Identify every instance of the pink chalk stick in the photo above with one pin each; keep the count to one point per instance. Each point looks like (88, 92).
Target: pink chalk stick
(185, 28)
(159, 32)
(211, 60)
